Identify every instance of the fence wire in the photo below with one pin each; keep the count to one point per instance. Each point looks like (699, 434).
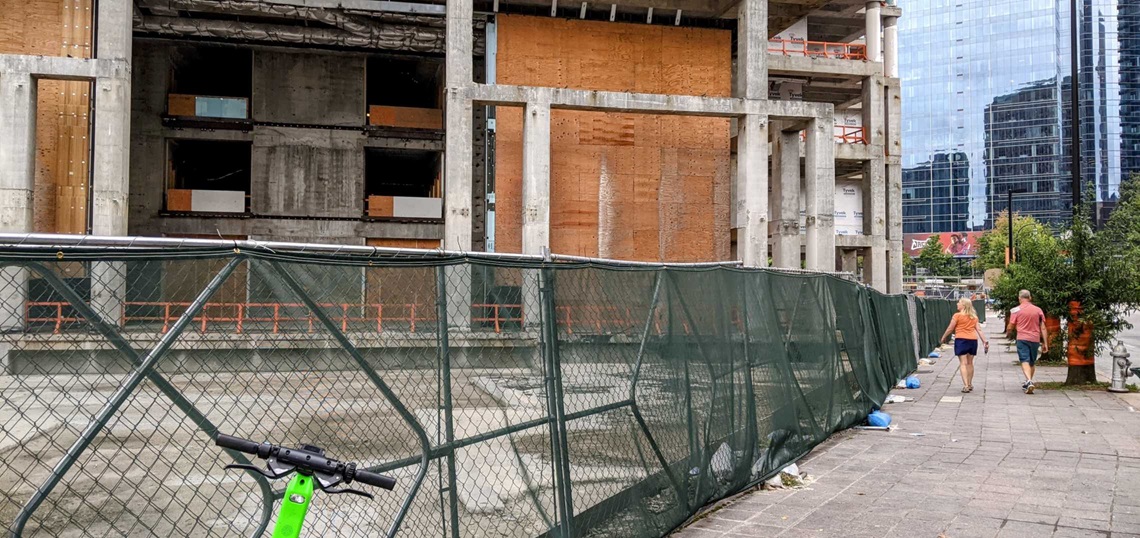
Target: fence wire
(509, 398)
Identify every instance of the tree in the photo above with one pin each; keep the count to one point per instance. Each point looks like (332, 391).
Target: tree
(1105, 279)
(908, 265)
(934, 258)
(1028, 235)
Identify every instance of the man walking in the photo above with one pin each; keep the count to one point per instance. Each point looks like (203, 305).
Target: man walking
(1031, 333)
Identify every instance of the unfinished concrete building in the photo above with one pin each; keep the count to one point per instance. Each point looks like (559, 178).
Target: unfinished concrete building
(659, 130)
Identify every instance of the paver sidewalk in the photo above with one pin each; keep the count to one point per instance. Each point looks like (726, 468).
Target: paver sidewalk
(995, 462)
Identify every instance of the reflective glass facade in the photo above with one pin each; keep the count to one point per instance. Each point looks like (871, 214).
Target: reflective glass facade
(985, 87)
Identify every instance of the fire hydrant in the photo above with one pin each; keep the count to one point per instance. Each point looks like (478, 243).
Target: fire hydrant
(1120, 368)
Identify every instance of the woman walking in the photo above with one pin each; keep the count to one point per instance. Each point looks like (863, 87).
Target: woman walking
(964, 326)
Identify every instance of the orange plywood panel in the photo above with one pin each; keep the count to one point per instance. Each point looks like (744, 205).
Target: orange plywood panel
(381, 206)
(178, 199)
(405, 117)
(181, 105)
(617, 175)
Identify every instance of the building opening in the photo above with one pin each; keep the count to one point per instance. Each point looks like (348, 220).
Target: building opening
(402, 183)
(404, 93)
(196, 89)
(208, 176)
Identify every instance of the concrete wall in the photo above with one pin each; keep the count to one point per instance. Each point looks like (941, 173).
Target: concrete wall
(307, 172)
(625, 186)
(298, 171)
(62, 161)
(313, 88)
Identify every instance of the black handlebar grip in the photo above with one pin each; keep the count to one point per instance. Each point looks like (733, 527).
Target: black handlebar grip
(236, 443)
(375, 479)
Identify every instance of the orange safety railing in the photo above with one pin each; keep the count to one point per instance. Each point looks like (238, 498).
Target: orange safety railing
(278, 314)
(850, 134)
(283, 317)
(817, 49)
(497, 316)
(56, 320)
(846, 134)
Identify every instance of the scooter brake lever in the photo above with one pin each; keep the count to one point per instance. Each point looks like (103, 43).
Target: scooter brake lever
(331, 491)
(258, 470)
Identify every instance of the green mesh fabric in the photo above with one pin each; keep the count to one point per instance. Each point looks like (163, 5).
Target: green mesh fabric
(507, 398)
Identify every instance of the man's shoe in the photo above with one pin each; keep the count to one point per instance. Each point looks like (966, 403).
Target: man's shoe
(1029, 388)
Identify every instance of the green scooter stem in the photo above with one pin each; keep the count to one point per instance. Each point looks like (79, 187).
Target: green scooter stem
(294, 506)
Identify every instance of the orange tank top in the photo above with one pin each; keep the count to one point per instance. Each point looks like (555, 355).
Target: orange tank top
(966, 328)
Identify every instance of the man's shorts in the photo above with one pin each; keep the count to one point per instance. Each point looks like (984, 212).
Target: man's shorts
(965, 347)
(1027, 351)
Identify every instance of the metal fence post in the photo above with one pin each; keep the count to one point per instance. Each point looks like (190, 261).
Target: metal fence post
(448, 417)
(556, 404)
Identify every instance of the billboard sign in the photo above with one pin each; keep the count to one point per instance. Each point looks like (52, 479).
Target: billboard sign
(958, 244)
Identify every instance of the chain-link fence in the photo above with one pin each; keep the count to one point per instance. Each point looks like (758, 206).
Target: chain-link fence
(508, 396)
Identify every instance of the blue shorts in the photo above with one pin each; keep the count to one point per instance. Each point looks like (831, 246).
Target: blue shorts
(1027, 351)
(965, 347)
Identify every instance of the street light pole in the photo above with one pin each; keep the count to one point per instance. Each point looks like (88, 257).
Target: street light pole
(1075, 107)
(1009, 211)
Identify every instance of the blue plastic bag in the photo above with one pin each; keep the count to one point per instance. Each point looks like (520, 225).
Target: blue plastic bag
(912, 382)
(878, 419)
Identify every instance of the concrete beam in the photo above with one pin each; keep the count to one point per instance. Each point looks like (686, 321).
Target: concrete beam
(785, 201)
(601, 101)
(852, 241)
(647, 103)
(856, 152)
(415, 8)
(56, 67)
(779, 64)
(819, 189)
(284, 227)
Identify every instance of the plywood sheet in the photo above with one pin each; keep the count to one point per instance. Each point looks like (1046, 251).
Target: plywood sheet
(623, 186)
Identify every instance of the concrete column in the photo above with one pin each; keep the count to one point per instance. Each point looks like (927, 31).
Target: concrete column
(536, 178)
(849, 261)
(17, 182)
(891, 47)
(819, 190)
(873, 33)
(874, 223)
(786, 199)
(458, 138)
(457, 158)
(895, 266)
(893, 151)
(110, 177)
(752, 49)
(875, 267)
(752, 190)
(535, 199)
(752, 134)
(874, 114)
(17, 151)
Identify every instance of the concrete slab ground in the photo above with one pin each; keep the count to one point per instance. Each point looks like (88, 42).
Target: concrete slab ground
(992, 463)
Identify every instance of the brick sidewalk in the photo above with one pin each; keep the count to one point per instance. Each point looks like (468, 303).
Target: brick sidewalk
(995, 462)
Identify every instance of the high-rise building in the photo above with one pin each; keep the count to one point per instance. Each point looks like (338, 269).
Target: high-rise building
(990, 80)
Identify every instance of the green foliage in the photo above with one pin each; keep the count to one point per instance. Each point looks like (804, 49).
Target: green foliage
(935, 259)
(908, 265)
(1029, 236)
(1099, 269)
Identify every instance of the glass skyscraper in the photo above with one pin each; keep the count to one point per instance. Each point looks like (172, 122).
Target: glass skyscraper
(985, 87)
